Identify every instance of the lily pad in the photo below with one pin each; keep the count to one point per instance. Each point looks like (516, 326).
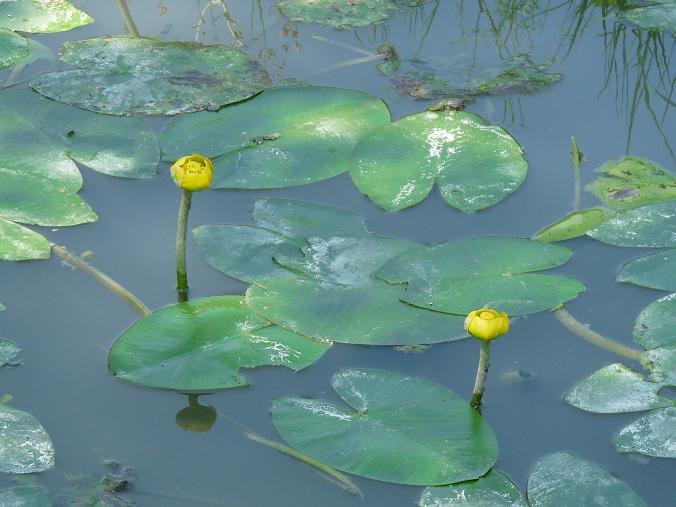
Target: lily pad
(8, 351)
(573, 225)
(201, 345)
(41, 16)
(19, 243)
(25, 446)
(564, 480)
(284, 137)
(393, 428)
(653, 434)
(646, 226)
(247, 252)
(25, 496)
(659, 16)
(337, 13)
(140, 75)
(656, 324)
(662, 365)
(657, 271)
(492, 490)
(631, 182)
(476, 165)
(616, 389)
(13, 48)
(345, 260)
(366, 315)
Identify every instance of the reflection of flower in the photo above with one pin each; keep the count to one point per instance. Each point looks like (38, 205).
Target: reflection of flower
(194, 172)
(486, 324)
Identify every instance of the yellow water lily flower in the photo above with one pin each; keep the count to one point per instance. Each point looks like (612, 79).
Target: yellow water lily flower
(194, 172)
(487, 324)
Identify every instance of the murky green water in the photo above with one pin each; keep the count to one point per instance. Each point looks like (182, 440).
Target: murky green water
(65, 322)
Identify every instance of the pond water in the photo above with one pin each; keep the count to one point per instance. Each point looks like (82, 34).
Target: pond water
(65, 322)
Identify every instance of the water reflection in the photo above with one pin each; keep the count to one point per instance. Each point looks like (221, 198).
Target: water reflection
(196, 418)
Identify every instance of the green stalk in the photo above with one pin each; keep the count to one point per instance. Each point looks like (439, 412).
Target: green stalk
(577, 162)
(129, 24)
(181, 271)
(481, 374)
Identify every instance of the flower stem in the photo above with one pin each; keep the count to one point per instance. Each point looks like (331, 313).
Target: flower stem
(593, 337)
(181, 272)
(101, 277)
(481, 374)
(129, 24)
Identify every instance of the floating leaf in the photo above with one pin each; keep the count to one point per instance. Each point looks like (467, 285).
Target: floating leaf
(41, 16)
(647, 226)
(394, 428)
(201, 345)
(25, 446)
(573, 225)
(13, 48)
(345, 260)
(656, 324)
(564, 480)
(492, 490)
(25, 496)
(653, 434)
(367, 315)
(630, 182)
(139, 75)
(19, 243)
(615, 389)
(657, 271)
(284, 137)
(659, 16)
(337, 13)
(8, 351)
(475, 164)
(662, 365)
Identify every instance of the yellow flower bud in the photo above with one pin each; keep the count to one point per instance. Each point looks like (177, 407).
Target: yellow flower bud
(486, 324)
(194, 172)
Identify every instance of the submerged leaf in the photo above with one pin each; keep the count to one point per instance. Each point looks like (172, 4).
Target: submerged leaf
(25, 496)
(492, 490)
(615, 389)
(476, 165)
(337, 13)
(657, 271)
(647, 226)
(573, 225)
(655, 326)
(25, 446)
(8, 351)
(653, 434)
(564, 480)
(141, 75)
(283, 137)
(41, 16)
(13, 48)
(393, 428)
(202, 344)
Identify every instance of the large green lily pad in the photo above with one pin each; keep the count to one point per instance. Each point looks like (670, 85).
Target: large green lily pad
(564, 480)
(25, 446)
(659, 16)
(653, 434)
(337, 13)
(393, 428)
(492, 490)
(616, 389)
(41, 16)
(366, 315)
(13, 48)
(201, 345)
(25, 496)
(19, 243)
(283, 137)
(657, 271)
(655, 326)
(8, 351)
(662, 364)
(475, 164)
(140, 75)
(573, 225)
(647, 226)
(631, 182)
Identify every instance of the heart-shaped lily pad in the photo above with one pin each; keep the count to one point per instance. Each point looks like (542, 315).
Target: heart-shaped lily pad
(393, 428)
(657, 271)
(475, 164)
(337, 13)
(201, 345)
(25, 446)
(564, 480)
(492, 490)
(140, 75)
(655, 326)
(653, 434)
(647, 226)
(283, 137)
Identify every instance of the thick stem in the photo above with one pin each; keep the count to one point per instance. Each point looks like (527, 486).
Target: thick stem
(481, 374)
(181, 272)
(593, 337)
(129, 24)
(102, 278)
